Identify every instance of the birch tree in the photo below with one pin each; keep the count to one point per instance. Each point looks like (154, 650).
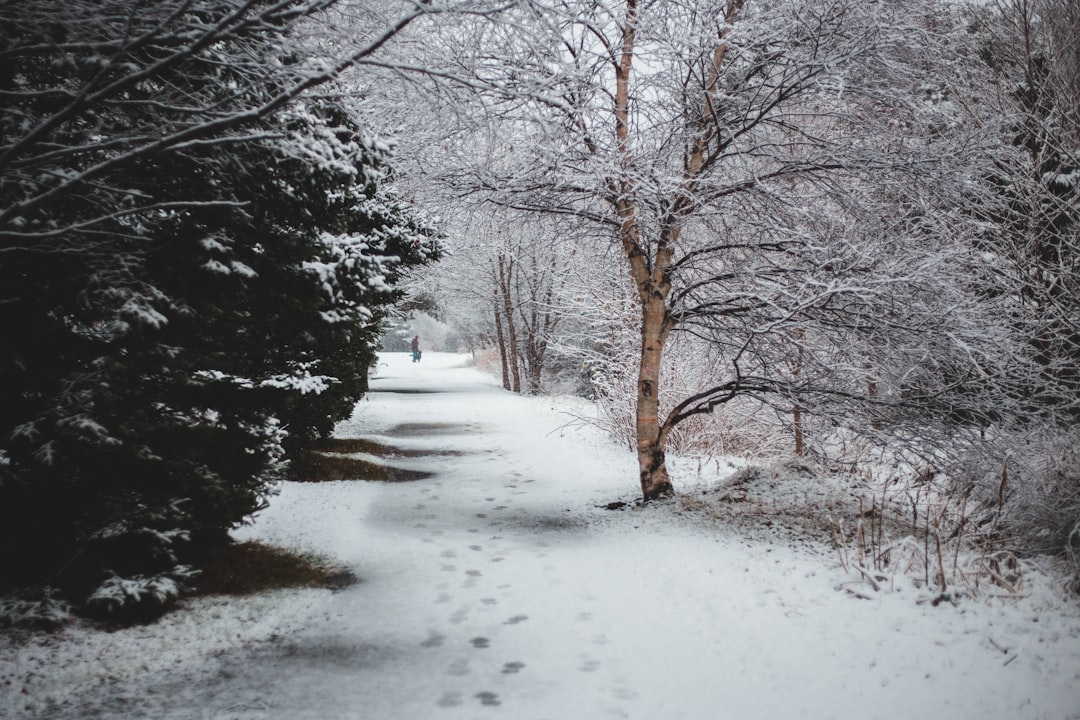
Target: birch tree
(687, 129)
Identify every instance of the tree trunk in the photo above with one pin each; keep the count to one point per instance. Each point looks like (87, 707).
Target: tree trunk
(506, 270)
(651, 438)
(797, 409)
(796, 414)
(502, 343)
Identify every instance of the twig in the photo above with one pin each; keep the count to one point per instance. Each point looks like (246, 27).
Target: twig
(937, 547)
(836, 541)
(999, 580)
(960, 533)
(869, 579)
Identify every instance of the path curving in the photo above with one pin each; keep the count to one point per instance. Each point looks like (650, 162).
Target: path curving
(500, 588)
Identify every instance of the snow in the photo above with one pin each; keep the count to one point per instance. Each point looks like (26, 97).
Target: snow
(502, 588)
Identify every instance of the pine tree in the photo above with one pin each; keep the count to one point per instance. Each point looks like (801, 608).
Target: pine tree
(175, 314)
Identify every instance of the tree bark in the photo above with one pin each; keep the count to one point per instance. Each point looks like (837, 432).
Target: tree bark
(651, 436)
(501, 339)
(796, 414)
(506, 270)
(796, 366)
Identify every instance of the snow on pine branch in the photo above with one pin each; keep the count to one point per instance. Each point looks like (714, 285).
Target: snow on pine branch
(348, 268)
(300, 380)
(118, 592)
(303, 382)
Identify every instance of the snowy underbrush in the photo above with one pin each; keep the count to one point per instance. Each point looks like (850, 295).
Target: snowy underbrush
(1031, 485)
(894, 528)
(928, 532)
(970, 519)
(787, 499)
(37, 610)
(141, 595)
(134, 599)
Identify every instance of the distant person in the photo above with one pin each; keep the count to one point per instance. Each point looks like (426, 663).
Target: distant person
(415, 347)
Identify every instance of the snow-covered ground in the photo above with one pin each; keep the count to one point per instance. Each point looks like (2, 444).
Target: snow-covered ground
(502, 588)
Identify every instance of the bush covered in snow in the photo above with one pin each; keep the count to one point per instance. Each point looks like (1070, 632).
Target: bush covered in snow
(1032, 493)
(37, 610)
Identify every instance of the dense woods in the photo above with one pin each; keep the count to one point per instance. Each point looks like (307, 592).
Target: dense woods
(836, 230)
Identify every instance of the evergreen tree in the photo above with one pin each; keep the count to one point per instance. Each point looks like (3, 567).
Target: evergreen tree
(192, 274)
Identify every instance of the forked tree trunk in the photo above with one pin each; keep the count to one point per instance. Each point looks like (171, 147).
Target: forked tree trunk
(506, 270)
(651, 273)
(650, 279)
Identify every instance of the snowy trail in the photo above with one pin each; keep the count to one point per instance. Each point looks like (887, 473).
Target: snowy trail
(500, 589)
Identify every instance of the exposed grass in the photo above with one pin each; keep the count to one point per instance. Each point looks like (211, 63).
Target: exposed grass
(326, 467)
(347, 446)
(248, 568)
(335, 459)
(318, 466)
(356, 445)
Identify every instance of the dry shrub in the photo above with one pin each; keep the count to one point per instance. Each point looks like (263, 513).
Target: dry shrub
(1026, 489)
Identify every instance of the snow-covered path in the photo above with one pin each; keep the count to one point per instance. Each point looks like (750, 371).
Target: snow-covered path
(500, 588)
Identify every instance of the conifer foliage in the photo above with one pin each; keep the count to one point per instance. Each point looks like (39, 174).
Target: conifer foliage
(195, 254)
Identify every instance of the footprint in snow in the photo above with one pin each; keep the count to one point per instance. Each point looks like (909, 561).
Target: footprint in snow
(480, 643)
(488, 698)
(516, 619)
(450, 699)
(512, 668)
(434, 640)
